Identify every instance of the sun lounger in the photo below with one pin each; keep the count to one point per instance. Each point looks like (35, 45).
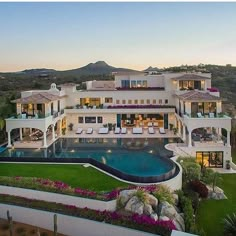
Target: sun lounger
(162, 130)
(123, 130)
(211, 115)
(155, 124)
(103, 130)
(151, 130)
(79, 131)
(89, 131)
(117, 130)
(137, 130)
(199, 115)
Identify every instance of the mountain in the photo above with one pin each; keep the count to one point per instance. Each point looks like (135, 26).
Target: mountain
(150, 68)
(99, 67)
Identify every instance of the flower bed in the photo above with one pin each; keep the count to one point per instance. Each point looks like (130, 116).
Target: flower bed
(135, 221)
(63, 188)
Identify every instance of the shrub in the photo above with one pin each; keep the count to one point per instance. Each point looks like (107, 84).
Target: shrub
(200, 188)
(20, 230)
(230, 225)
(141, 195)
(163, 193)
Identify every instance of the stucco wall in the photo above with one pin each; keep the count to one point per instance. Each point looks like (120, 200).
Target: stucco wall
(67, 225)
(59, 198)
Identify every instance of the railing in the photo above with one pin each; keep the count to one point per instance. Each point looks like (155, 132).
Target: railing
(27, 116)
(139, 106)
(205, 115)
(141, 88)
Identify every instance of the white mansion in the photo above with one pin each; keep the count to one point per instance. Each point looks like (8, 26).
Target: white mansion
(183, 104)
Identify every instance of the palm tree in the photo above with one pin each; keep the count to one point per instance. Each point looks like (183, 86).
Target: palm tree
(230, 225)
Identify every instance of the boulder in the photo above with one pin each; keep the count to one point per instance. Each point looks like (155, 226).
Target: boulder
(164, 218)
(134, 205)
(125, 195)
(217, 194)
(151, 200)
(154, 216)
(167, 210)
(147, 209)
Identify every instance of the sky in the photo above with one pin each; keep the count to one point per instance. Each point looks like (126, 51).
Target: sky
(131, 35)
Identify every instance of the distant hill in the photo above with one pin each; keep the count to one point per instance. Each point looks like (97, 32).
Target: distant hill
(150, 68)
(97, 68)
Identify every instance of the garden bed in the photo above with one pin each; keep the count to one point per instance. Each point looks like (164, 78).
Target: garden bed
(134, 221)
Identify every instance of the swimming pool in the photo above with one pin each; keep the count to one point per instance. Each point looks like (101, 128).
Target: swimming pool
(141, 160)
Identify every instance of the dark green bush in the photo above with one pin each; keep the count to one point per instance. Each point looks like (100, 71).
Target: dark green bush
(200, 188)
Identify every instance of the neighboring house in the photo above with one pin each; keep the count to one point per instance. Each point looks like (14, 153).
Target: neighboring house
(184, 101)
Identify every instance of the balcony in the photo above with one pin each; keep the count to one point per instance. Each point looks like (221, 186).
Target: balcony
(220, 120)
(141, 88)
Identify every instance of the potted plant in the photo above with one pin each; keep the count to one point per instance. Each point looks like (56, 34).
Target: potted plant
(71, 126)
(171, 126)
(228, 164)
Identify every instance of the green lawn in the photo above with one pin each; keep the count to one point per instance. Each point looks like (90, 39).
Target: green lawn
(211, 212)
(74, 175)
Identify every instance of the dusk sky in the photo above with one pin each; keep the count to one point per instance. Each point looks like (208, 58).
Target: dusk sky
(132, 35)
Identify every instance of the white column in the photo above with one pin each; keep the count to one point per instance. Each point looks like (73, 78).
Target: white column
(9, 139)
(184, 133)
(219, 131)
(190, 138)
(20, 133)
(45, 139)
(53, 133)
(228, 138)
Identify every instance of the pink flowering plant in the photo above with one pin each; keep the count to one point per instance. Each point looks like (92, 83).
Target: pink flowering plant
(134, 221)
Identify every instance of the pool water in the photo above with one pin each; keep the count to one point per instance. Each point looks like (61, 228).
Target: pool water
(137, 157)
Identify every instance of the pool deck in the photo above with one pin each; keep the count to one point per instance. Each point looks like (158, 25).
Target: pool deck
(95, 134)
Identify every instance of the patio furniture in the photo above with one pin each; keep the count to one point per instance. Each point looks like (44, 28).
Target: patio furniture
(137, 130)
(199, 115)
(149, 124)
(117, 130)
(162, 130)
(155, 124)
(23, 115)
(211, 115)
(151, 130)
(89, 131)
(123, 130)
(79, 131)
(103, 130)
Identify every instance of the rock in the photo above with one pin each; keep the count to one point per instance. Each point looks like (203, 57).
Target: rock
(217, 194)
(154, 216)
(166, 209)
(134, 205)
(151, 200)
(125, 196)
(176, 198)
(164, 218)
(147, 209)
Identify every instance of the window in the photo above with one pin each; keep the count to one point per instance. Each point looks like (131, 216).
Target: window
(160, 101)
(139, 83)
(166, 101)
(141, 101)
(136, 101)
(125, 83)
(108, 100)
(123, 102)
(133, 83)
(154, 101)
(99, 119)
(145, 83)
(129, 101)
(148, 101)
(90, 119)
(210, 159)
(117, 101)
(81, 119)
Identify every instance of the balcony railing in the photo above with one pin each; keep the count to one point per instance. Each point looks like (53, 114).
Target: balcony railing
(141, 88)
(139, 106)
(205, 115)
